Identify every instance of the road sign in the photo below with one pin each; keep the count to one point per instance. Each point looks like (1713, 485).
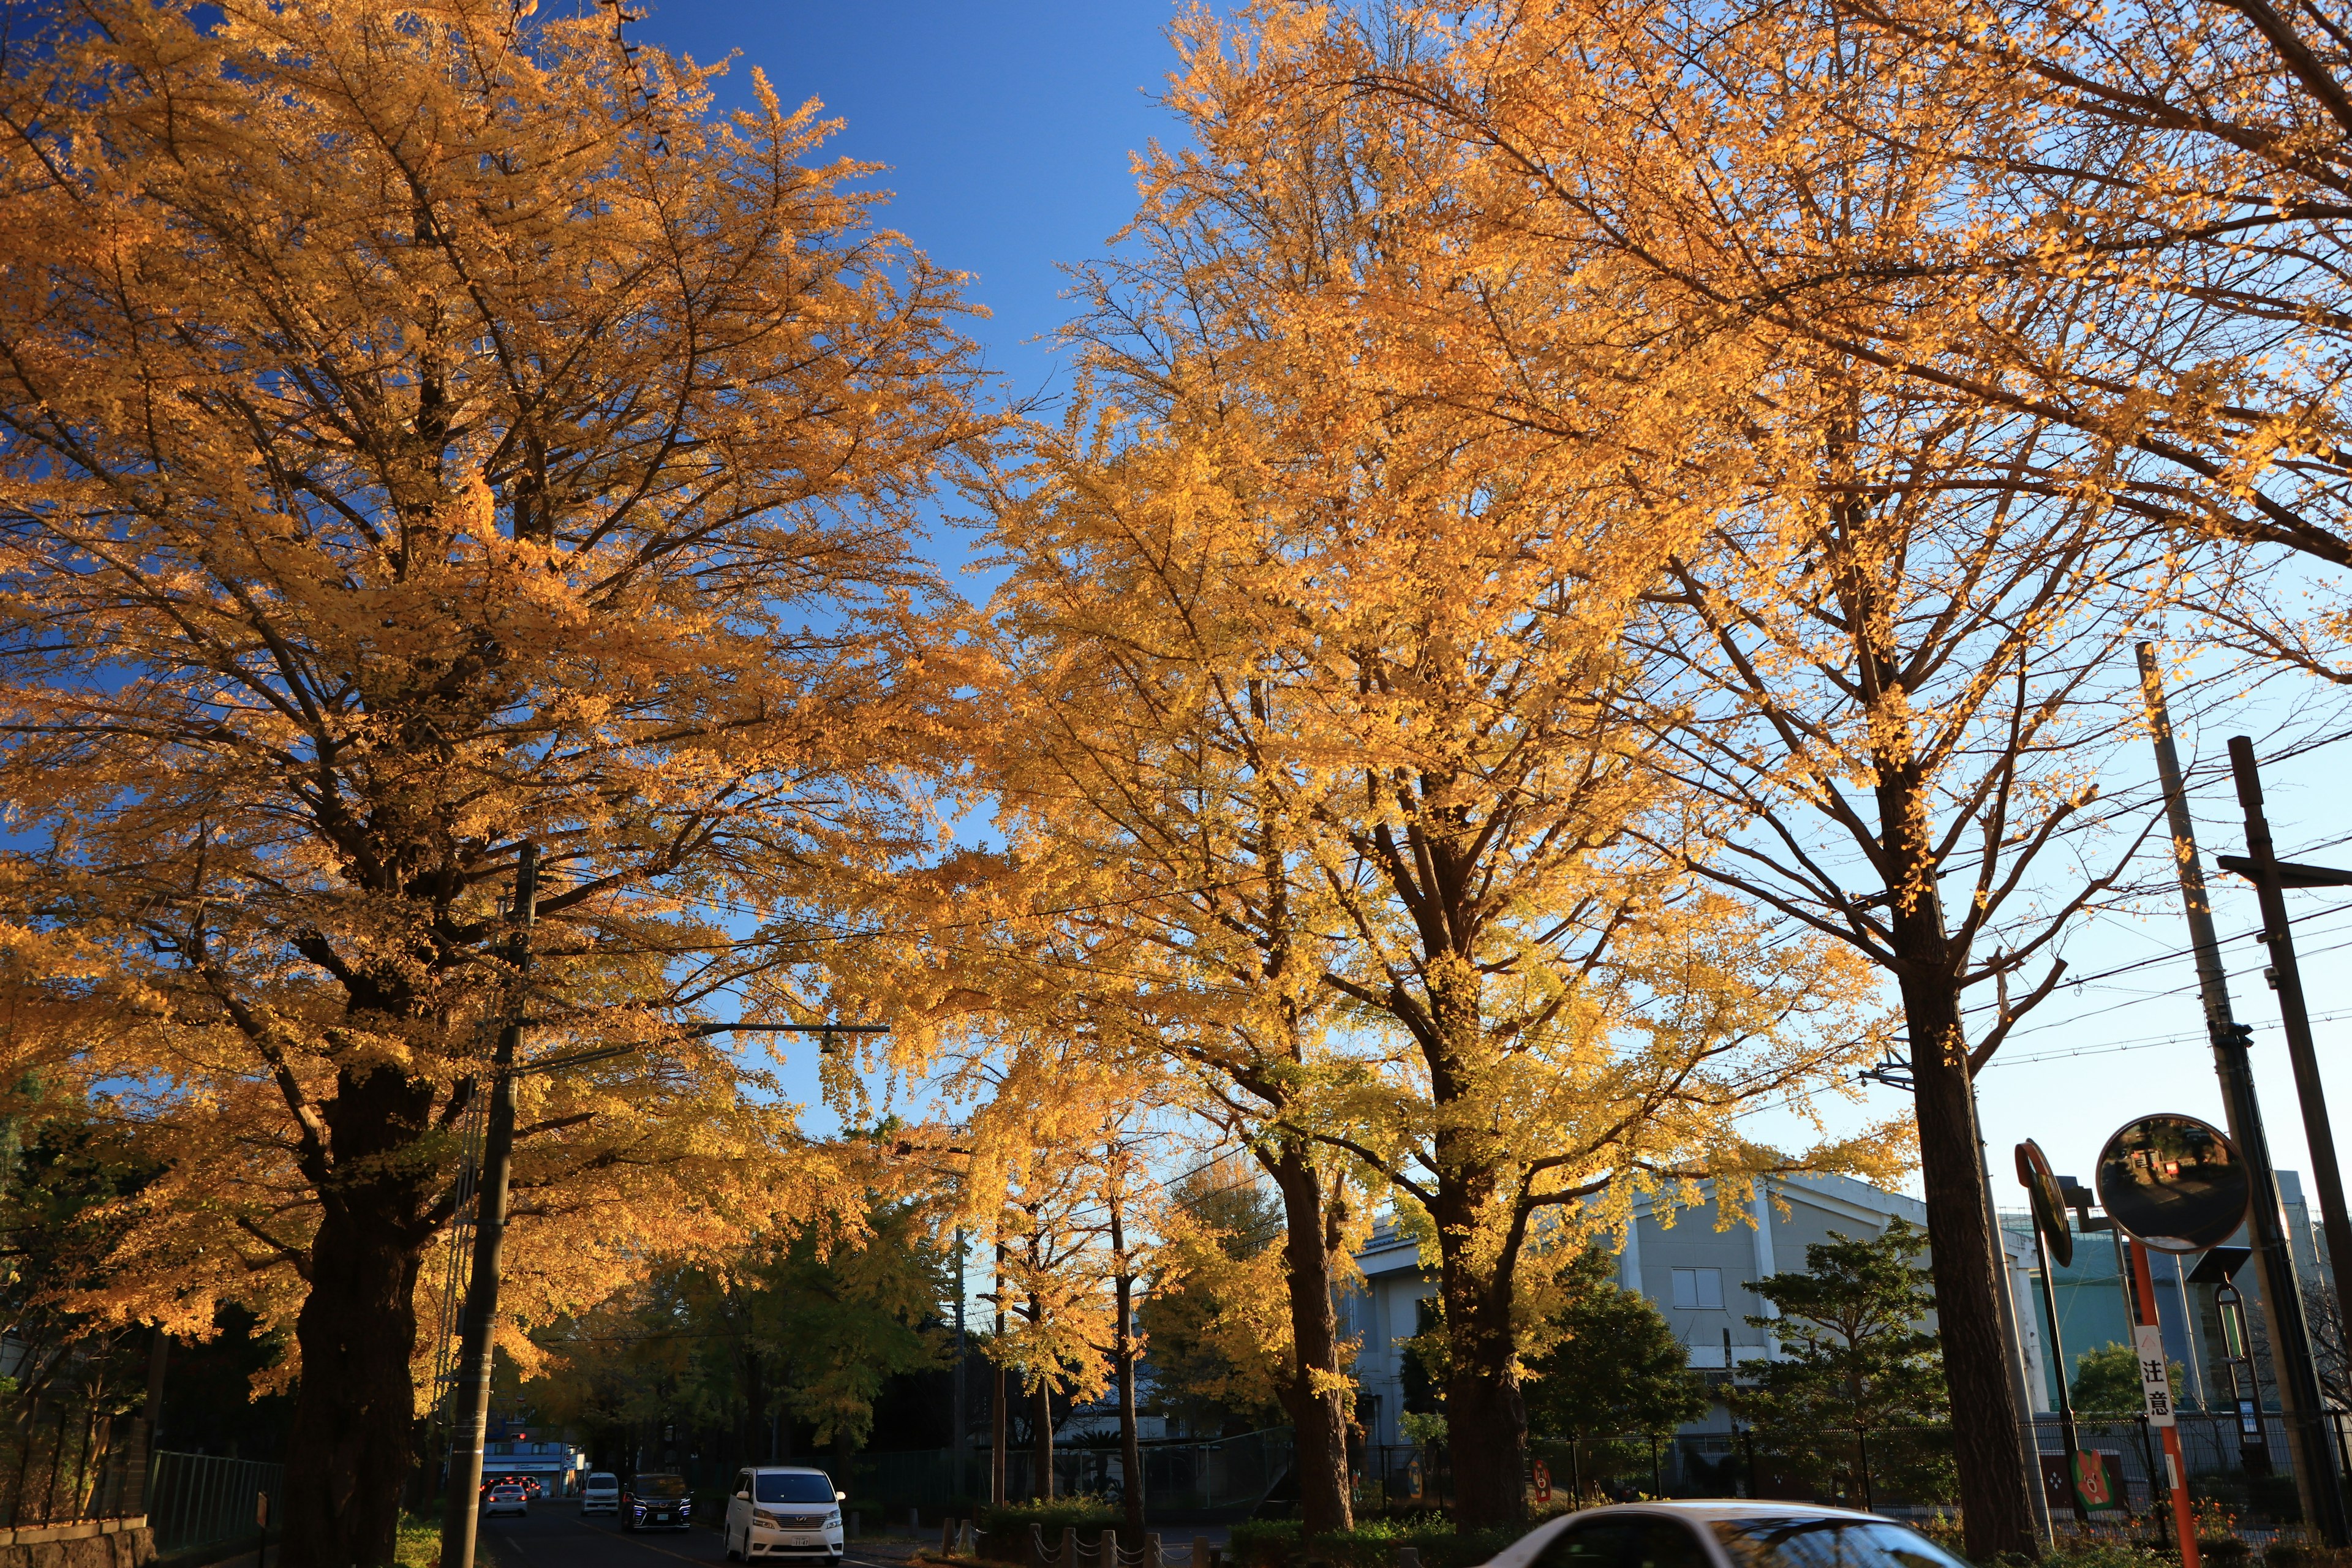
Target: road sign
(1543, 1483)
(2155, 1381)
(2048, 1205)
(2175, 1182)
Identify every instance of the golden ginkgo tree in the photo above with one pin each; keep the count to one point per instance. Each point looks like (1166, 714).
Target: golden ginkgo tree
(1342, 667)
(428, 431)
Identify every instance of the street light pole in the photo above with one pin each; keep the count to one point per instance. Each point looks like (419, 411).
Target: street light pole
(2297, 1376)
(474, 1355)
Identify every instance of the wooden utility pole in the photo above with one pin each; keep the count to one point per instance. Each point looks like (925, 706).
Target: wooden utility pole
(474, 1353)
(2282, 1295)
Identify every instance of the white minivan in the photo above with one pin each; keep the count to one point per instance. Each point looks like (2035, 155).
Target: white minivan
(601, 1493)
(782, 1510)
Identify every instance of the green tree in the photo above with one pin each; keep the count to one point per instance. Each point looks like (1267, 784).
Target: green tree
(2106, 1382)
(1212, 1314)
(1616, 1367)
(1854, 1404)
(809, 1329)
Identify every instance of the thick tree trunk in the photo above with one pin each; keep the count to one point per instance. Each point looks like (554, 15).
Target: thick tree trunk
(351, 1445)
(1486, 1415)
(1318, 1415)
(1996, 1511)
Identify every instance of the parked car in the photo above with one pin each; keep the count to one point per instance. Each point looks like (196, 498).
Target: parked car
(507, 1498)
(1727, 1533)
(784, 1510)
(657, 1500)
(601, 1493)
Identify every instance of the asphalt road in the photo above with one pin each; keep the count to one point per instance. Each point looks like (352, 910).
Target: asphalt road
(558, 1537)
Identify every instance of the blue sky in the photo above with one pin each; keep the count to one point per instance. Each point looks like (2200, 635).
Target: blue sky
(1008, 129)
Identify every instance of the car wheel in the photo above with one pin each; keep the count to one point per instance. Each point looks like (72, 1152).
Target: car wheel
(733, 1554)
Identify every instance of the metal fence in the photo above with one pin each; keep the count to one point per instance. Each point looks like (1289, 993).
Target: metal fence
(1224, 1476)
(198, 1499)
(60, 1463)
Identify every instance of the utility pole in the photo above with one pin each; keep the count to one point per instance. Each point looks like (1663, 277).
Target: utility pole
(961, 1442)
(1000, 1414)
(472, 1411)
(2271, 876)
(2297, 1375)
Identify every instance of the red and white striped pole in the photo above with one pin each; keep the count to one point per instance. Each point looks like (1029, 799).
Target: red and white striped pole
(2156, 1384)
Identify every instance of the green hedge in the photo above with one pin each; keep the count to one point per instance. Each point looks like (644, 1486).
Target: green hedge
(1280, 1544)
(1005, 1530)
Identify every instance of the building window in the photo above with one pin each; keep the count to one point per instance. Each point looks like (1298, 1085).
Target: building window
(1698, 1289)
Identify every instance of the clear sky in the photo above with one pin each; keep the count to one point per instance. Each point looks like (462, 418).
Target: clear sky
(1008, 128)
(1007, 125)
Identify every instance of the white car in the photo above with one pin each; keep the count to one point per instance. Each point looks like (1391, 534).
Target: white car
(784, 1511)
(507, 1498)
(1725, 1533)
(601, 1493)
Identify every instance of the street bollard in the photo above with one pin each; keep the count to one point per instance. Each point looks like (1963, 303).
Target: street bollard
(967, 1539)
(1069, 1553)
(1200, 1553)
(947, 1538)
(261, 1530)
(1408, 1557)
(1154, 1555)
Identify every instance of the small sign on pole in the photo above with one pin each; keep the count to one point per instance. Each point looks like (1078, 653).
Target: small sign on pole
(1543, 1483)
(2155, 1381)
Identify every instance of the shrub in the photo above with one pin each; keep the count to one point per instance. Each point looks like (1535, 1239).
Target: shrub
(418, 1544)
(1005, 1530)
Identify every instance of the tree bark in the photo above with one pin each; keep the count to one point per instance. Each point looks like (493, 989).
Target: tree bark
(1041, 1416)
(1318, 1419)
(1131, 1444)
(1996, 1514)
(353, 1410)
(1486, 1415)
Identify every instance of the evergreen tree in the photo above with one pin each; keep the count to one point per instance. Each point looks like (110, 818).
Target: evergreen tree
(2106, 1382)
(1854, 1405)
(1616, 1368)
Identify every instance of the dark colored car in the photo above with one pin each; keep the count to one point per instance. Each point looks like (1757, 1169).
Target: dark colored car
(656, 1501)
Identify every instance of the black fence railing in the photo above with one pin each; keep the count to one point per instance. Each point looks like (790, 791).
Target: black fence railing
(63, 1462)
(1210, 1477)
(201, 1500)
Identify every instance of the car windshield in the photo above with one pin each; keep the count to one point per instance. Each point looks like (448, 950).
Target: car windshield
(602, 1483)
(660, 1486)
(1798, 1541)
(792, 1489)
(506, 1491)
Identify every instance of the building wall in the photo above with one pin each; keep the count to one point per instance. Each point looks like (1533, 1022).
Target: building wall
(1722, 1256)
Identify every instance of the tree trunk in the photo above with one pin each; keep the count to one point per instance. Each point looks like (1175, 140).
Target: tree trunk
(1485, 1416)
(1996, 1512)
(1042, 1440)
(1318, 1417)
(1130, 1447)
(1994, 1509)
(350, 1444)
(1130, 1444)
